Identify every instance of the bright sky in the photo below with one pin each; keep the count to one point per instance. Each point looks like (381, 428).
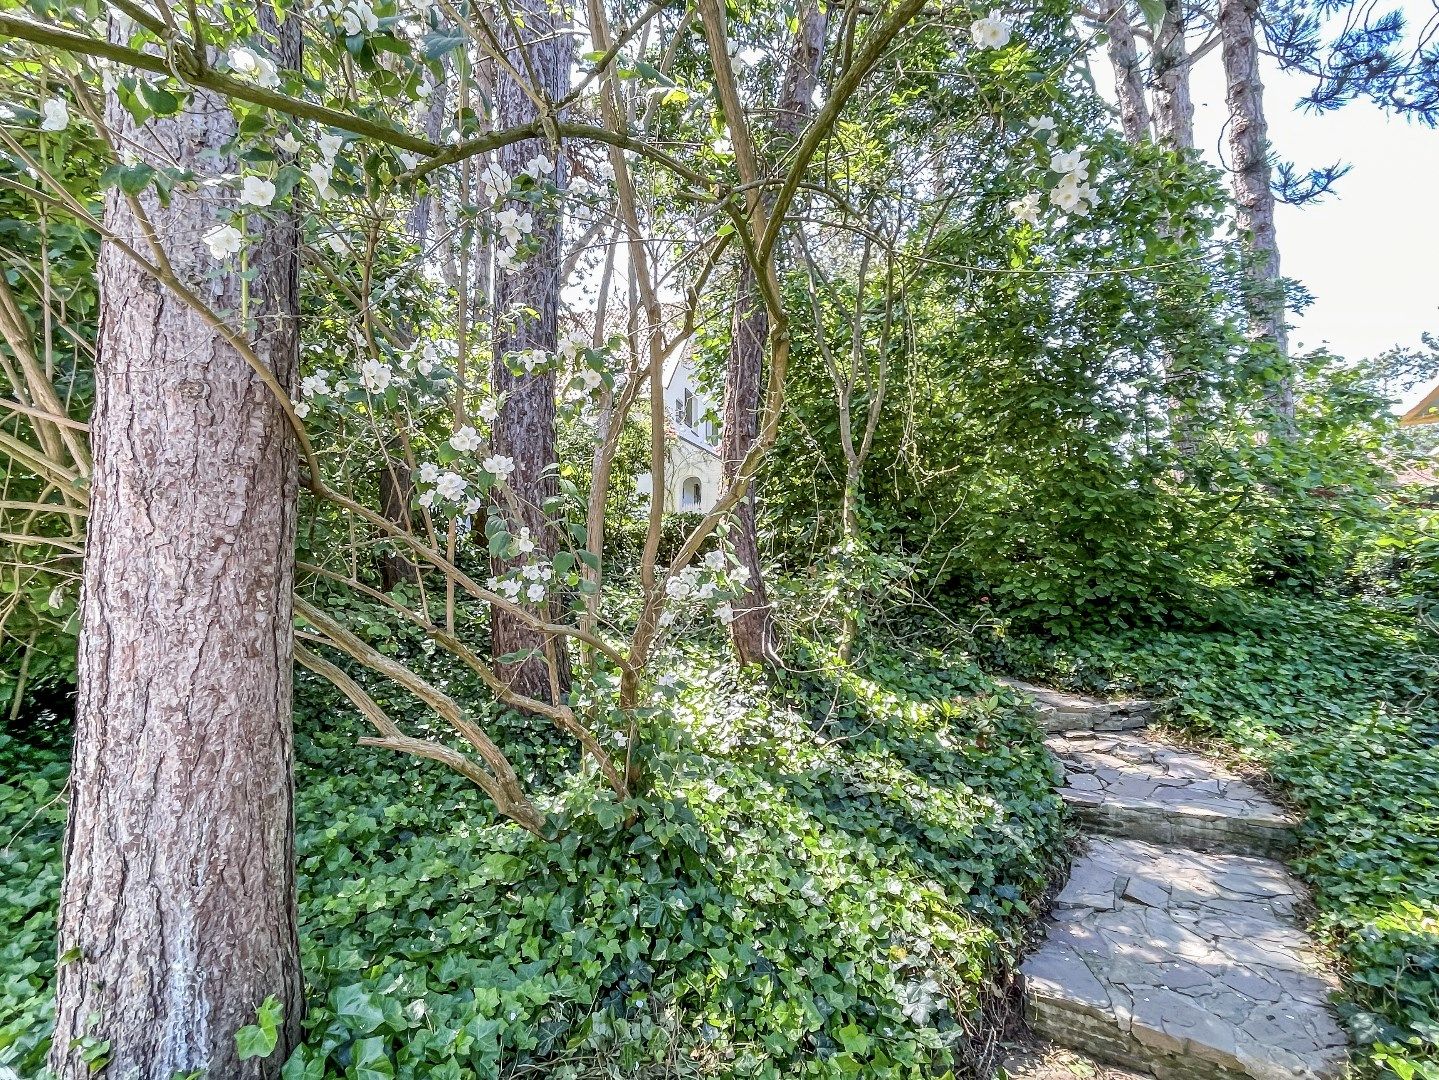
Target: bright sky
(1367, 252)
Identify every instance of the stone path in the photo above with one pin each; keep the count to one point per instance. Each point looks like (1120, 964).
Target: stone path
(1173, 950)
(1130, 784)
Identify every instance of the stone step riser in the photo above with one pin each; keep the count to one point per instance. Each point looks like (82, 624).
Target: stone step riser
(1221, 835)
(1102, 1039)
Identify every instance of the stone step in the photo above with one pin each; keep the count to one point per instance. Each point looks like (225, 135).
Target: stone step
(1061, 711)
(1049, 1062)
(1185, 966)
(1133, 784)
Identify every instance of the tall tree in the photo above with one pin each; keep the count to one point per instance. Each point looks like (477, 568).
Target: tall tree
(1250, 172)
(752, 629)
(1115, 17)
(177, 916)
(538, 42)
(1169, 77)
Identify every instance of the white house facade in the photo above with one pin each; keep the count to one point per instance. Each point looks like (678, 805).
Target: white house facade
(692, 459)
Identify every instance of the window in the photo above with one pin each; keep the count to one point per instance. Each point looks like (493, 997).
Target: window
(688, 408)
(691, 494)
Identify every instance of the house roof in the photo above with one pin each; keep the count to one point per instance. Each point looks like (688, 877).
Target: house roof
(1426, 412)
(691, 438)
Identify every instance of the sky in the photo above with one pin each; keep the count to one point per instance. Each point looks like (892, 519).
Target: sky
(1369, 252)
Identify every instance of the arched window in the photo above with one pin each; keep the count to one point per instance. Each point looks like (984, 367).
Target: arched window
(690, 494)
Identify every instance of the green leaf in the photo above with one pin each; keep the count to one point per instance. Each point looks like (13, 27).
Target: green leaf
(1153, 11)
(259, 1039)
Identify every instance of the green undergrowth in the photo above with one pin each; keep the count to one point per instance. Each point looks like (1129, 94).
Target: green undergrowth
(1337, 699)
(826, 880)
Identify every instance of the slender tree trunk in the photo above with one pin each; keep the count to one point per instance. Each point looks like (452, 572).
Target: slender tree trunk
(526, 316)
(179, 899)
(1253, 194)
(1174, 129)
(1173, 106)
(1128, 74)
(752, 631)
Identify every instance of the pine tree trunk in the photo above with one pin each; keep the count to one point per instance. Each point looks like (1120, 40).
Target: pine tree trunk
(527, 317)
(752, 631)
(179, 894)
(1253, 195)
(1173, 106)
(1128, 75)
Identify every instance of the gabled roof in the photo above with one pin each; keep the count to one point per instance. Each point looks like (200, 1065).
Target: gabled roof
(1426, 412)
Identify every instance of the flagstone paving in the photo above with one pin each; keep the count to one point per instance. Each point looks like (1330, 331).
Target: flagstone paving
(1177, 958)
(1059, 710)
(1131, 784)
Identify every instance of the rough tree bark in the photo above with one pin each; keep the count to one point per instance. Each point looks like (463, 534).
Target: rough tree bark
(527, 317)
(179, 890)
(752, 631)
(1169, 77)
(1128, 73)
(1251, 175)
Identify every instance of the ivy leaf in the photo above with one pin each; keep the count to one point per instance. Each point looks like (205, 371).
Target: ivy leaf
(258, 1040)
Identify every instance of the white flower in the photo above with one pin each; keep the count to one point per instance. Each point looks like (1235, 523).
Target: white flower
(330, 145)
(536, 592)
(714, 560)
(1065, 197)
(427, 500)
(1043, 125)
(677, 588)
(505, 258)
(705, 591)
(1073, 197)
(538, 166)
(319, 174)
(451, 486)
(496, 181)
(1027, 208)
(302, 409)
(500, 465)
(56, 115)
(359, 18)
(428, 472)
(489, 412)
(473, 505)
(510, 588)
(725, 613)
(428, 359)
(1072, 162)
(523, 544)
(288, 143)
(991, 32)
(223, 241)
(312, 385)
(572, 344)
(375, 376)
(244, 61)
(513, 225)
(257, 191)
(591, 379)
(465, 440)
(266, 74)
(56, 600)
